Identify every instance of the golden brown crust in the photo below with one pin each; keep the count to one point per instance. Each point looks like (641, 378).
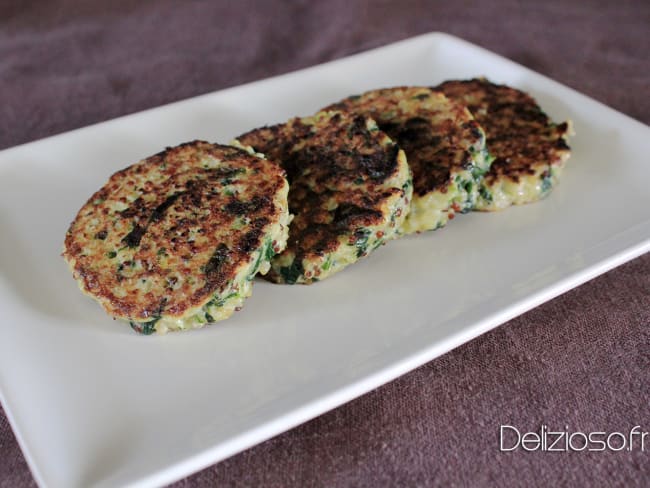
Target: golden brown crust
(167, 233)
(519, 134)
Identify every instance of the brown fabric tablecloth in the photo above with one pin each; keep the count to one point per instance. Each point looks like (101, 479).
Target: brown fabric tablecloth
(581, 360)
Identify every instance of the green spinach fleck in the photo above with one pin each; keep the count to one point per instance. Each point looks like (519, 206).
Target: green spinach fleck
(145, 328)
(485, 193)
(291, 273)
(361, 241)
(547, 183)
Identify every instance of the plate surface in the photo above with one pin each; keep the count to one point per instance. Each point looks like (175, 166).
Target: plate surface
(94, 404)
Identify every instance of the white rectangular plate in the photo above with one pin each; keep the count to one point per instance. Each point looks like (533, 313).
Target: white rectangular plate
(94, 404)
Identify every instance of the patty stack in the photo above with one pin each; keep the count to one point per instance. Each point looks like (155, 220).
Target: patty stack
(173, 242)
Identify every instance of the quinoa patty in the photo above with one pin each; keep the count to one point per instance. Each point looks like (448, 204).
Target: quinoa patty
(444, 145)
(173, 241)
(530, 149)
(350, 188)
